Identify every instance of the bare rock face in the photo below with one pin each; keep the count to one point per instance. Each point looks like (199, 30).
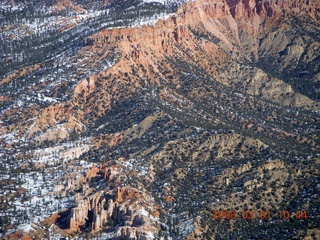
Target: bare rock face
(248, 8)
(94, 205)
(273, 165)
(236, 26)
(131, 233)
(61, 5)
(85, 87)
(109, 207)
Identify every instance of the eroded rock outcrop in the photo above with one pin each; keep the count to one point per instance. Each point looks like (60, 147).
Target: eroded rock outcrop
(129, 208)
(234, 29)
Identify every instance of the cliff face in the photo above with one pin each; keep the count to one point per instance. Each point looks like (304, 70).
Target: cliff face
(255, 17)
(130, 209)
(231, 30)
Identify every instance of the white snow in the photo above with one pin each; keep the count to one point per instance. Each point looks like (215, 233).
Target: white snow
(25, 227)
(143, 212)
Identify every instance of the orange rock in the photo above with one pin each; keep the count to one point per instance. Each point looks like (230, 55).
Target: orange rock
(93, 172)
(168, 198)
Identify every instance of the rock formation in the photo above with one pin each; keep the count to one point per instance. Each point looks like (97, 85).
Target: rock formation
(123, 206)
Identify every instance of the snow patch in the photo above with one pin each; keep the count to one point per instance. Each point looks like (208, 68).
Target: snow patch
(25, 227)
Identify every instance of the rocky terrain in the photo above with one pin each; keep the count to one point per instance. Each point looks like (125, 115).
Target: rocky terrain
(141, 119)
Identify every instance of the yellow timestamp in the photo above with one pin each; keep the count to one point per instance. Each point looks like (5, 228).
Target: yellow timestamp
(261, 214)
